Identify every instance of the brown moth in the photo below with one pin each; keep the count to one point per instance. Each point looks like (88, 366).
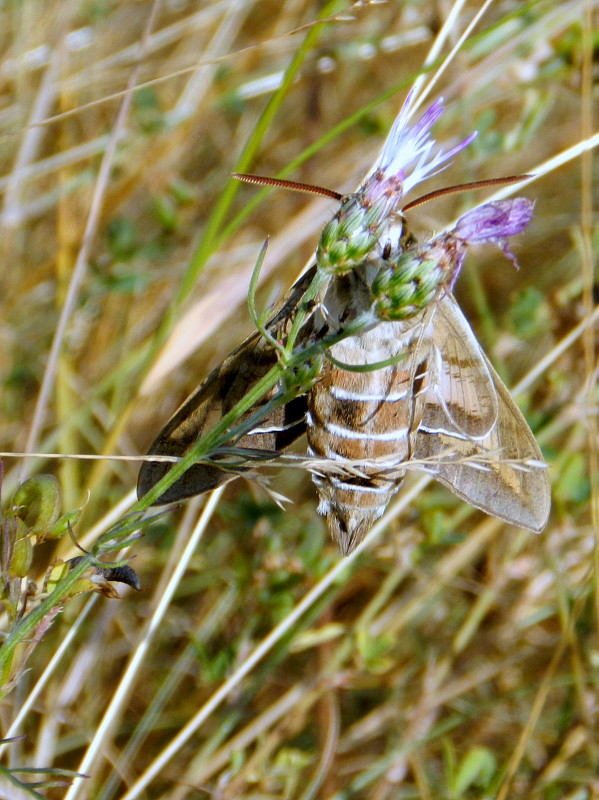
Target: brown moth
(406, 381)
(447, 399)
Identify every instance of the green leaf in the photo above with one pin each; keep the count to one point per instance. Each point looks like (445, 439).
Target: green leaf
(477, 769)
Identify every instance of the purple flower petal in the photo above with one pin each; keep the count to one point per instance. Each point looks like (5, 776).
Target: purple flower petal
(495, 223)
(495, 220)
(406, 154)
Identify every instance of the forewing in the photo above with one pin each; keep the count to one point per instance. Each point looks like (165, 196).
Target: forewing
(484, 451)
(217, 395)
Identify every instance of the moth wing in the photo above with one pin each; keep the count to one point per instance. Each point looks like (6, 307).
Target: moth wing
(487, 454)
(457, 393)
(216, 396)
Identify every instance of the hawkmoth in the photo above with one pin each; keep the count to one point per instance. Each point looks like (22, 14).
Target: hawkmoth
(395, 376)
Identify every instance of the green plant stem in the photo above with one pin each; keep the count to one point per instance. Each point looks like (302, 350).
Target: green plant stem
(222, 431)
(25, 629)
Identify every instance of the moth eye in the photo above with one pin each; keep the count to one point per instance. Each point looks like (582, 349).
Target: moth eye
(387, 251)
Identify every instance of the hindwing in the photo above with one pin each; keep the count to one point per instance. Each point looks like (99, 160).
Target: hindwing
(478, 442)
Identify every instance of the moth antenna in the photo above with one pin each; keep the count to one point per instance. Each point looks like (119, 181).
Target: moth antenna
(464, 187)
(295, 186)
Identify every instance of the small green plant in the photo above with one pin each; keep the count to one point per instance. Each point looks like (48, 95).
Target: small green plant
(33, 517)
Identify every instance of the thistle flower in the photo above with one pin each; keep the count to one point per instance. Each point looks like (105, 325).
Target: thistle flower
(403, 287)
(495, 222)
(407, 158)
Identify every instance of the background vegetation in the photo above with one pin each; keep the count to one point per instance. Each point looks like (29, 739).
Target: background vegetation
(456, 657)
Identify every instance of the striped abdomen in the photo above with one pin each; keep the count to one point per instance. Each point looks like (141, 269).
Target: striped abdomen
(362, 416)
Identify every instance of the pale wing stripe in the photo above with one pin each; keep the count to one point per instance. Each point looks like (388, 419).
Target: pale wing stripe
(348, 433)
(453, 433)
(352, 487)
(273, 429)
(342, 394)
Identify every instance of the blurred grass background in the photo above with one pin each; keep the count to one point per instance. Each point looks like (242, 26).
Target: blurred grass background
(454, 659)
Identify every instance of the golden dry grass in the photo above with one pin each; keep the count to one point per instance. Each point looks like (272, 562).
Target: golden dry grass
(452, 659)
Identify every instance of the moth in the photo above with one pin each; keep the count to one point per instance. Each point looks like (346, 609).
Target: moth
(396, 376)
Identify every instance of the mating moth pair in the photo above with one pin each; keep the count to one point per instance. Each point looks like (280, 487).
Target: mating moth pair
(376, 365)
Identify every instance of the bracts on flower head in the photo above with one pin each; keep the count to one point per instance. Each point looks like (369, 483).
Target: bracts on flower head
(407, 158)
(405, 286)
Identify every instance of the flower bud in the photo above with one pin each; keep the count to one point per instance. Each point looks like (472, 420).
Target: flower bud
(348, 238)
(406, 287)
(22, 556)
(37, 501)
